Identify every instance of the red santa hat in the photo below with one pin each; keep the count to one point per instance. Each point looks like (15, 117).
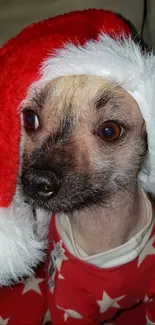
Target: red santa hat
(93, 42)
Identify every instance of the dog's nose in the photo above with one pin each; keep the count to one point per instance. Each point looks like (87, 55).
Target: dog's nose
(42, 184)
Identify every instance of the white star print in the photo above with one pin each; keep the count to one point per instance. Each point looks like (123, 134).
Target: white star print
(32, 284)
(147, 299)
(148, 250)
(148, 322)
(60, 276)
(107, 302)
(4, 321)
(59, 254)
(70, 313)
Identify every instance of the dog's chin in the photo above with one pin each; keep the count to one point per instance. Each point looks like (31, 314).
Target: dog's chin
(73, 202)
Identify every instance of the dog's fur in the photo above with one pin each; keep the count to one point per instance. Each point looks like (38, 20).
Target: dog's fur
(98, 179)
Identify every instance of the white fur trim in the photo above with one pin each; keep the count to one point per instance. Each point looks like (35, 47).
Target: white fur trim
(23, 236)
(21, 241)
(122, 62)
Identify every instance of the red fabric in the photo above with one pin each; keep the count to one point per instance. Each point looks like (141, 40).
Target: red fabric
(24, 303)
(76, 288)
(20, 60)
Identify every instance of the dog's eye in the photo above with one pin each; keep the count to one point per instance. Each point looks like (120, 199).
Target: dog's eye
(110, 131)
(31, 120)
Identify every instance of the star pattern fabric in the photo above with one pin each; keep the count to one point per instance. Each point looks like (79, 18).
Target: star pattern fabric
(3, 321)
(24, 303)
(59, 255)
(70, 313)
(107, 302)
(83, 293)
(148, 321)
(32, 284)
(86, 294)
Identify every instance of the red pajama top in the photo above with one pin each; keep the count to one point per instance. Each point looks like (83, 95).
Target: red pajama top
(117, 287)
(82, 293)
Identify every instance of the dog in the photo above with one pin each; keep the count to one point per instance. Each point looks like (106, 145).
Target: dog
(70, 165)
(78, 168)
(85, 142)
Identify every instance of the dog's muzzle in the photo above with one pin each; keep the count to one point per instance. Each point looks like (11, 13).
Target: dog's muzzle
(40, 184)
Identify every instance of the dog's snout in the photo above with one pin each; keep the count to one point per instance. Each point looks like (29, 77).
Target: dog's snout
(40, 184)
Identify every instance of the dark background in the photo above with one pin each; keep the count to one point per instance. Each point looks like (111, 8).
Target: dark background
(16, 14)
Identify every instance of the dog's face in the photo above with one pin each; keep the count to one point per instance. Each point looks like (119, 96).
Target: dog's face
(84, 142)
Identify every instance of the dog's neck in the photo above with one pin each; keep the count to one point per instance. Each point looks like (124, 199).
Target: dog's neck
(98, 229)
